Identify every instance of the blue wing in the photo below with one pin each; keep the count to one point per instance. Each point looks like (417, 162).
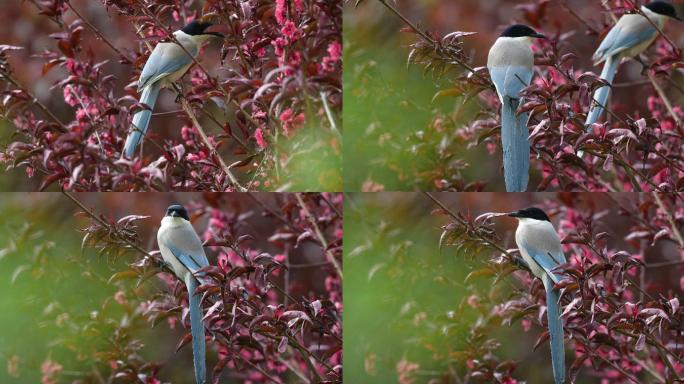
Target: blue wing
(546, 260)
(510, 80)
(190, 262)
(621, 38)
(166, 58)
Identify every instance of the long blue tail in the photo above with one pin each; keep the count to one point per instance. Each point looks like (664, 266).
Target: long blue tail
(141, 119)
(197, 330)
(601, 95)
(555, 331)
(516, 146)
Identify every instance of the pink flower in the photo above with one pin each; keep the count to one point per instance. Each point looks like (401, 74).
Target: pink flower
(50, 371)
(335, 51)
(120, 297)
(290, 31)
(295, 59)
(405, 370)
(259, 136)
(290, 121)
(279, 45)
(69, 97)
(280, 12)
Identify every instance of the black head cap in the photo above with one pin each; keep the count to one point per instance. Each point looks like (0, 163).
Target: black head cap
(521, 30)
(663, 8)
(177, 210)
(197, 27)
(530, 213)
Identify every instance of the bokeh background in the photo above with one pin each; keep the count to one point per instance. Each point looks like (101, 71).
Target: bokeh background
(52, 287)
(409, 306)
(388, 105)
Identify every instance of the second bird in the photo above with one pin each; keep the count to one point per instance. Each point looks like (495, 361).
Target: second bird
(630, 36)
(167, 63)
(511, 66)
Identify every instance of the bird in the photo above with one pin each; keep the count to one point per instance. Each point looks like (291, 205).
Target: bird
(511, 66)
(167, 63)
(182, 250)
(540, 247)
(630, 36)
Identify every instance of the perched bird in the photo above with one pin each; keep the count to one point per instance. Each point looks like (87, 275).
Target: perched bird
(182, 249)
(510, 65)
(167, 63)
(541, 249)
(630, 36)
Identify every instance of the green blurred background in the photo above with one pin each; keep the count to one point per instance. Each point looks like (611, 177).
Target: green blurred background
(396, 137)
(404, 301)
(56, 300)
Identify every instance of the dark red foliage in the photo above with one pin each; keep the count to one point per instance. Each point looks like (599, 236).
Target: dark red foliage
(622, 317)
(634, 151)
(280, 64)
(261, 330)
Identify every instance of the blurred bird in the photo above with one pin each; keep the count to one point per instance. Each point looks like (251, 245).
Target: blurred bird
(167, 63)
(630, 36)
(511, 66)
(182, 249)
(541, 249)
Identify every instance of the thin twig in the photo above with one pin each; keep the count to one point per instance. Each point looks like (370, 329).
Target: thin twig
(670, 219)
(205, 139)
(106, 225)
(98, 33)
(328, 113)
(263, 372)
(663, 97)
(428, 38)
(319, 235)
(35, 100)
(464, 223)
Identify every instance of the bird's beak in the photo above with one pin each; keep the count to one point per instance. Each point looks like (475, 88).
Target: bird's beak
(540, 36)
(514, 214)
(678, 18)
(174, 214)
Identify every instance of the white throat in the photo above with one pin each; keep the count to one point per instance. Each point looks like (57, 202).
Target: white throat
(173, 222)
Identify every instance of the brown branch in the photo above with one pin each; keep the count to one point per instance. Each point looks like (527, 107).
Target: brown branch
(205, 139)
(105, 224)
(428, 38)
(98, 33)
(319, 235)
(663, 97)
(464, 223)
(35, 101)
(670, 219)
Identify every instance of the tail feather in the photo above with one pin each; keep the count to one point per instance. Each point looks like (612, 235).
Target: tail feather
(516, 146)
(555, 331)
(600, 97)
(197, 330)
(141, 120)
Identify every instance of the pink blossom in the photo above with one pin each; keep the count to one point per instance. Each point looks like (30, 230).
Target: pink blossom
(290, 31)
(69, 97)
(50, 371)
(291, 121)
(279, 45)
(280, 12)
(259, 136)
